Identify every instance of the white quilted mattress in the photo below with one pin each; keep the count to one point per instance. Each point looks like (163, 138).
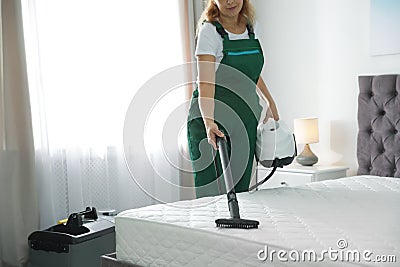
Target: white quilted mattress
(327, 223)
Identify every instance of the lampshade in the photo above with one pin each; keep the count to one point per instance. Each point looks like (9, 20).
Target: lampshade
(306, 130)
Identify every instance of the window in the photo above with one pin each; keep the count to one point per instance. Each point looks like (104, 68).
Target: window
(86, 59)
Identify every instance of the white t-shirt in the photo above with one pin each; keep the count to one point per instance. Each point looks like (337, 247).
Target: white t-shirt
(209, 41)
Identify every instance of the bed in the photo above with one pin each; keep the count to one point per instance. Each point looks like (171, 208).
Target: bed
(352, 221)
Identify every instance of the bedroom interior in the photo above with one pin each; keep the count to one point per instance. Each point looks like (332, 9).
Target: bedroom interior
(316, 66)
(354, 217)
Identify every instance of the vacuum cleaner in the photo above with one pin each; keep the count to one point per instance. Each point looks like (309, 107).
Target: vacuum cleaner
(275, 147)
(235, 221)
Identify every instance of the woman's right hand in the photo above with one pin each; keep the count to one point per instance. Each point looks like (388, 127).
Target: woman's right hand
(213, 131)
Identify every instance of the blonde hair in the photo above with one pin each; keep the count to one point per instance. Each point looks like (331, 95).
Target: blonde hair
(211, 13)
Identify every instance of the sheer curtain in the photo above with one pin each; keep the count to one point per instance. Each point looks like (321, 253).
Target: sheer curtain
(18, 195)
(86, 61)
(190, 14)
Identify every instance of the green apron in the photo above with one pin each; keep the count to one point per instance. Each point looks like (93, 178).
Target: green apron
(237, 112)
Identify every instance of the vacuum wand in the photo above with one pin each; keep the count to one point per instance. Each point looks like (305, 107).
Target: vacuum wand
(235, 221)
(230, 187)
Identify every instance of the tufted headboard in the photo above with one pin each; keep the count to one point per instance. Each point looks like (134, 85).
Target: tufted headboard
(378, 140)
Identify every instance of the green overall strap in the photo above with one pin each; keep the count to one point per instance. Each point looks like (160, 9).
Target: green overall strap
(220, 30)
(250, 30)
(224, 34)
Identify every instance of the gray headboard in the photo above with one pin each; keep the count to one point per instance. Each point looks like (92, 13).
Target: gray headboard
(378, 141)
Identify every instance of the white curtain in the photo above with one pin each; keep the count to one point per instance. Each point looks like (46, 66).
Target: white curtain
(190, 14)
(87, 59)
(18, 194)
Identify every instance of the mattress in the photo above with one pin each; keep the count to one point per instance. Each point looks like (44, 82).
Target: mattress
(350, 221)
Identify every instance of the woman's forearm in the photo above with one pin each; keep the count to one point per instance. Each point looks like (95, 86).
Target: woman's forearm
(268, 97)
(206, 102)
(206, 68)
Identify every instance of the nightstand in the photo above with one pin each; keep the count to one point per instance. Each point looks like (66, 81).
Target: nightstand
(295, 174)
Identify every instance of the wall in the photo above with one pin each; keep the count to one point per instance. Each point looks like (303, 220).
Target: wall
(315, 50)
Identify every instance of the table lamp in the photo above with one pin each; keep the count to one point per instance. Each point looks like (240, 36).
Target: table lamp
(306, 132)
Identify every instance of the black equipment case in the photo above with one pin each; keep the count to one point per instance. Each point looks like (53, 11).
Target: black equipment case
(79, 242)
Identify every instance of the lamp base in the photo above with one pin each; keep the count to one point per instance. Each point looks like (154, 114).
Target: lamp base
(307, 157)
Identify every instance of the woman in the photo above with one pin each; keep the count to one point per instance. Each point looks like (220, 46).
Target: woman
(225, 102)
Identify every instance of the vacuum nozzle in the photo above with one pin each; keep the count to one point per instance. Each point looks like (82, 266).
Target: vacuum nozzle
(237, 223)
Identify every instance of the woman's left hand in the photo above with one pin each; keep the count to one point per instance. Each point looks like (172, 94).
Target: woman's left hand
(271, 113)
